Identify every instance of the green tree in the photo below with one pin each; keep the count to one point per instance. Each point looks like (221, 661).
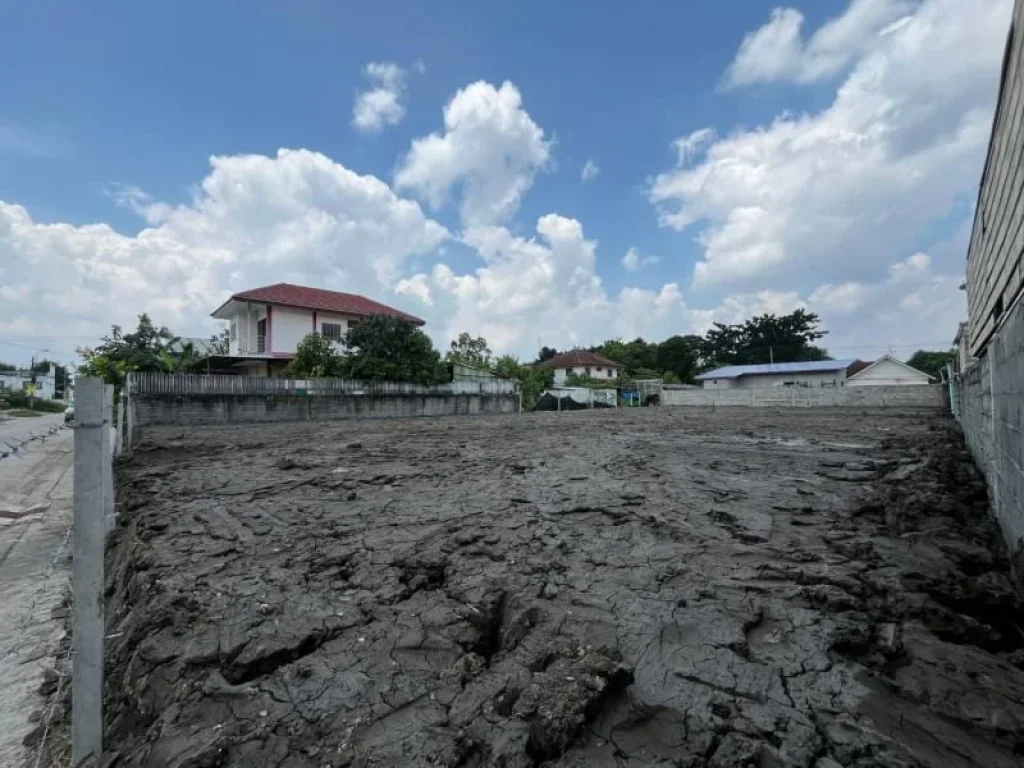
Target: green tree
(546, 353)
(315, 358)
(931, 363)
(765, 338)
(8, 367)
(118, 354)
(507, 366)
(391, 349)
(680, 356)
(469, 350)
(532, 381)
(635, 355)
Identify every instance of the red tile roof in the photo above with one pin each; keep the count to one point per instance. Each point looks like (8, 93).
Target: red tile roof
(580, 357)
(288, 295)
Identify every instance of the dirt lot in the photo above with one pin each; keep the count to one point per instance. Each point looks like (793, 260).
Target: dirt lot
(638, 588)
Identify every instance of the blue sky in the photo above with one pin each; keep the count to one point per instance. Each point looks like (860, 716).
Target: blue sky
(95, 100)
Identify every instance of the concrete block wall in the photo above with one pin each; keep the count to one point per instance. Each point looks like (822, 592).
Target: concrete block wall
(991, 408)
(924, 396)
(148, 410)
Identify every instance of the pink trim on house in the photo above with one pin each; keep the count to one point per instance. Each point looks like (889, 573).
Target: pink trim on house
(270, 347)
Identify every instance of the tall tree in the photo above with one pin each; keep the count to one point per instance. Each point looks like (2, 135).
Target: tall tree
(765, 338)
(635, 355)
(546, 353)
(931, 363)
(469, 350)
(391, 349)
(118, 354)
(680, 356)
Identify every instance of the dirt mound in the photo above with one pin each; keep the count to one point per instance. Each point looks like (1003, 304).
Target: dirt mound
(655, 588)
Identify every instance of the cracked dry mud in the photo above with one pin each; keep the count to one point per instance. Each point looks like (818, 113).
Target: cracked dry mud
(657, 587)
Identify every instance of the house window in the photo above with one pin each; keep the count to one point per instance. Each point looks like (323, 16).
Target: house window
(354, 323)
(586, 372)
(599, 369)
(331, 331)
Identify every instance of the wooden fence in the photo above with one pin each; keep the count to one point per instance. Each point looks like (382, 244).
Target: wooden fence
(203, 384)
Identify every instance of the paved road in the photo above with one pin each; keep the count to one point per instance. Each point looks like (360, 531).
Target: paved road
(35, 517)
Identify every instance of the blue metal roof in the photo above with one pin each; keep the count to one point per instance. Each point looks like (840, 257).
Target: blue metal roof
(735, 371)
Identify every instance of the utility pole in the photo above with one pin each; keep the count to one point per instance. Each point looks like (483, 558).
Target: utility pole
(771, 355)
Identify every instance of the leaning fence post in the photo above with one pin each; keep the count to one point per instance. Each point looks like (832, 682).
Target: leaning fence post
(91, 465)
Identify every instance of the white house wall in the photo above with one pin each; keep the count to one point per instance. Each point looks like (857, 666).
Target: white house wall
(246, 338)
(561, 374)
(887, 373)
(288, 327)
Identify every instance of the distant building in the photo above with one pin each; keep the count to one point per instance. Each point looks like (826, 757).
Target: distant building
(816, 374)
(889, 372)
(41, 384)
(582, 363)
(265, 325)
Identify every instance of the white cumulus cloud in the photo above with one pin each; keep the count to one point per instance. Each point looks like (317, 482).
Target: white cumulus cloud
(254, 220)
(832, 195)
(777, 51)
(381, 105)
(491, 149)
(633, 261)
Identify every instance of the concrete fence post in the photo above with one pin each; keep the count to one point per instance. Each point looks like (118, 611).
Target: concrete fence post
(108, 453)
(129, 413)
(91, 466)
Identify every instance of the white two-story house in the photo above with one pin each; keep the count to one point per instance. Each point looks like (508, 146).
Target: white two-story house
(266, 324)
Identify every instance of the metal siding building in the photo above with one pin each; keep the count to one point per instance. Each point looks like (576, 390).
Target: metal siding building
(817, 374)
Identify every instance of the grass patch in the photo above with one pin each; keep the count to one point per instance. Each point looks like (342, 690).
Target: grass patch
(22, 412)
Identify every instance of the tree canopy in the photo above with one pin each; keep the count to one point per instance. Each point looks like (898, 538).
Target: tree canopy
(469, 350)
(118, 354)
(315, 357)
(931, 363)
(765, 338)
(389, 348)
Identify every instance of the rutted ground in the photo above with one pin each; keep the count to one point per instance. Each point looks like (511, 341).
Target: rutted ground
(636, 588)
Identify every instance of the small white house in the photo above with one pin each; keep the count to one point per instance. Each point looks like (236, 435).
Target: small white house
(583, 363)
(818, 374)
(887, 371)
(265, 325)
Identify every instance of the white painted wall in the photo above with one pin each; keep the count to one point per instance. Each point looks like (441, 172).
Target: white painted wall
(245, 319)
(888, 373)
(561, 374)
(288, 327)
(815, 380)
